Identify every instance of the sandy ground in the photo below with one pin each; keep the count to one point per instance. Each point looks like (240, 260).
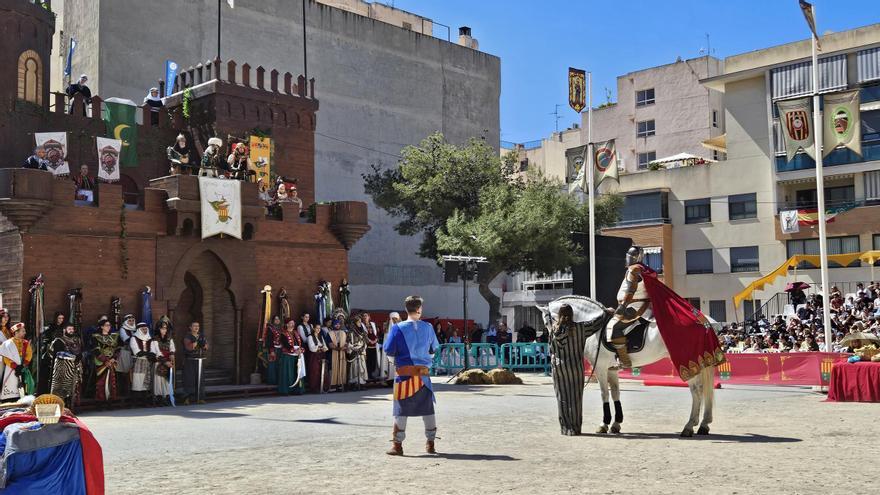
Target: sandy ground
(495, 439)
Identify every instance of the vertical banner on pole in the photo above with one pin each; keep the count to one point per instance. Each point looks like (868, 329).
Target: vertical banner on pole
(576, 89)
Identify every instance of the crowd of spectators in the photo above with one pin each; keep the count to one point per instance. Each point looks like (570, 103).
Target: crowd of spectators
(801, 329)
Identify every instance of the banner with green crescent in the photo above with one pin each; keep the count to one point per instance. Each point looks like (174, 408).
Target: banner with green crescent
(842, 122)
(121, 125)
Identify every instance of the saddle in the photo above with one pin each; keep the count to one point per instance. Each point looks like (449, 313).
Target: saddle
(635, 338)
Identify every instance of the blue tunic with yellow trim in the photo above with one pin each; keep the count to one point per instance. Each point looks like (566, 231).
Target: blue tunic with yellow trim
(412, 343)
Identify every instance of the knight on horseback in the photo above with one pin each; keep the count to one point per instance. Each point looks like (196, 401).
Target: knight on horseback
(633, 306)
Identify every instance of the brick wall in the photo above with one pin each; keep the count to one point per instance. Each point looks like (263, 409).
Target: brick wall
(11, 279)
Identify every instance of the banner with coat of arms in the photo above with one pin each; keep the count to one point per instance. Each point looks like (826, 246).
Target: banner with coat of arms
(842, 122)
(55, 146)
(577, 89)
(261, 159)
(221, 207)
(796, 126)
(605, 158)
(108, 158)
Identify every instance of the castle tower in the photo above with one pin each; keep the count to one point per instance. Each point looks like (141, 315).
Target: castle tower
(26, 33)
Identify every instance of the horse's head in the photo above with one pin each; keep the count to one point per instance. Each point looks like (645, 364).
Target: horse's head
(546, 316)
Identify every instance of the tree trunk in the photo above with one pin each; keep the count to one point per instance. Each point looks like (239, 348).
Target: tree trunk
(490, 297)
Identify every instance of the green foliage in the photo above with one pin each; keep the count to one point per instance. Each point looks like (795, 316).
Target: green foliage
(656, 166)
(186, 103)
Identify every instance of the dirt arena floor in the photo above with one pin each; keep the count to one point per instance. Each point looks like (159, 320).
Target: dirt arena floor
(495, 439)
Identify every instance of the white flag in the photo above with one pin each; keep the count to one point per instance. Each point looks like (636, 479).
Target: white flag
(221, 207)
(55, 144)
(788, 220)
(231, 3)
(108, 158)
(605, 160)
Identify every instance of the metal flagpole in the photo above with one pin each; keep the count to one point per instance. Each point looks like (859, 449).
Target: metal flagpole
(592, 190)
(820, 190)
(219, 15)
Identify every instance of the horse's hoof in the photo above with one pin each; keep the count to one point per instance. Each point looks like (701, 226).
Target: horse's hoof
(703, 430)
(602, 429)
(615, 428)
(687, 432)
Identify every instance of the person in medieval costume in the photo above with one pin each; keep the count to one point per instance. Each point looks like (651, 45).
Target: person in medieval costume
(633, 306)
(155, 103)
(284, 310)
(357, 354)
(239, 162)
(212, 163)
(83, 182)
(386, 363)
(567, 340)
(339, 364)
(125, 361)
(38, 160)
(17, 354)
(304, 329)
(163, 348)
(272, 331)
(142, 371)
(181, 156)
(194, 348)
(52, 332)
(289, 348)
(345, 296)
(316, 365)
(320, 307)
(67, 370)
(106, 357)
(79, 87)
(328, 298)
(412, 344)
(5, 331)
(371, 335)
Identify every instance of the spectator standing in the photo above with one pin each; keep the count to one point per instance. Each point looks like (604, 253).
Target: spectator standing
(155, 103)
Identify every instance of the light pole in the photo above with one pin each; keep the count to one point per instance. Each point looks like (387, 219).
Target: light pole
(464, 267)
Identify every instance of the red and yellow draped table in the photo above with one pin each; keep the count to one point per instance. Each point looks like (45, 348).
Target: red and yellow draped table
(855, 382)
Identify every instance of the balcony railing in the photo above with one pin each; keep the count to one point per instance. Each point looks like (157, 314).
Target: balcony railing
(840, 156)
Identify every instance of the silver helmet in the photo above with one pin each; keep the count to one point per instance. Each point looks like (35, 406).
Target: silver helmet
(634, 255)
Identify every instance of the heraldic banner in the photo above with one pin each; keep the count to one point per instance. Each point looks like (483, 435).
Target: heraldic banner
(796, 125)
(605, 158)
(577, 89)
(221, 207)
(55, 144)
(261, 158)
(121, 124)
(108, 158)
(842, 122)
(575, 159)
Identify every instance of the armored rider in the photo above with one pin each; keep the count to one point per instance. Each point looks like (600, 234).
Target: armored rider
(633, 305)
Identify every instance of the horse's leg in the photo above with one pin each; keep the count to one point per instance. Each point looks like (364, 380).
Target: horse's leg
(614, 380)
(602, 377)
(708, 399)
(695, 385)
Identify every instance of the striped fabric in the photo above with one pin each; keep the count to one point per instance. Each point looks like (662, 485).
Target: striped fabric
(868, 64)
(407, 388)
(567, 363)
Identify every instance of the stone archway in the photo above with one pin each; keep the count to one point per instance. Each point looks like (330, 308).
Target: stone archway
(207, 298)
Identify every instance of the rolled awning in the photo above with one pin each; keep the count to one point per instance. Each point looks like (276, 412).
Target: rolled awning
(717, 143)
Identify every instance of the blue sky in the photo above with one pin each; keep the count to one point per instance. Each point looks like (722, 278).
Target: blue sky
(538, 40)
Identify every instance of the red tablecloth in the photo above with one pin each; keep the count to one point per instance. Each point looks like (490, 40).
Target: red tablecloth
(855, 382)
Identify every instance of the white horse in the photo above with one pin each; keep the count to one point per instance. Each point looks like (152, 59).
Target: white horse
(604, 364)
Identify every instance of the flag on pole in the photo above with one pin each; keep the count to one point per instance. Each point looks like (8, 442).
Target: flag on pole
(170, 74)
(576, 158)
(577, 89)
(796, 126)
(68, 67)
(605, 160)
(807, 9)
(842, 122)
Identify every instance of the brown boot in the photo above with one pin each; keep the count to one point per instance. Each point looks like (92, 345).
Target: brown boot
(396, 447)
(429, 447)
(622, 354)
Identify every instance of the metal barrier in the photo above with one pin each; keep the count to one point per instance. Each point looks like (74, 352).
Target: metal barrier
(526, 356)
(451, 357)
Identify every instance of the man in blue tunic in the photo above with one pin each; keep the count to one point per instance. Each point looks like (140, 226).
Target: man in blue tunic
(412, 344)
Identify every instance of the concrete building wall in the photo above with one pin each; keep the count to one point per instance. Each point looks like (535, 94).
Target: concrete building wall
(682, 112)
(381, 88)
(384, 13)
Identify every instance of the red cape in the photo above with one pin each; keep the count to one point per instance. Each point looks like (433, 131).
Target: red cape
(691, 341)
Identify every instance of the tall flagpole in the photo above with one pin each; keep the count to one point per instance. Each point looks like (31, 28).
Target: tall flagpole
(219, 15)
(592, 190)
(820, 190)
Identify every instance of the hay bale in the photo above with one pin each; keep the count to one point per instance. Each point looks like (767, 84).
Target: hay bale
(473, 377)
(503, 377)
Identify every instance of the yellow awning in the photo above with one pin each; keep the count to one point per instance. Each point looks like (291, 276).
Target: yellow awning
(717, 143)
(842, 259)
